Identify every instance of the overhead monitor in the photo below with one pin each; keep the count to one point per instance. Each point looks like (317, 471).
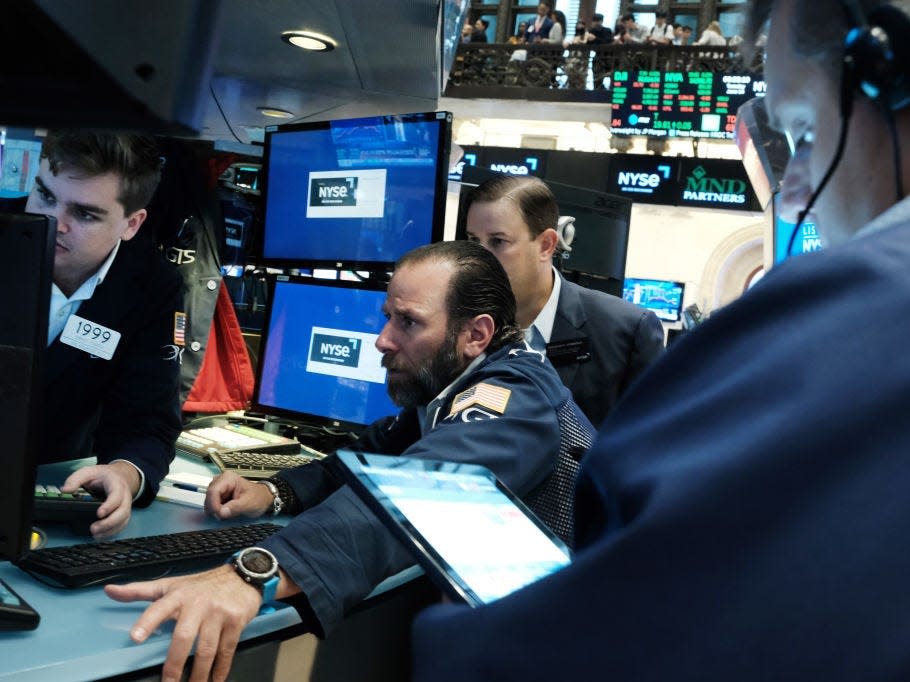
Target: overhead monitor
(318, 360)
(680, 103)
(354, 193)
(664, 298)
(27, 244)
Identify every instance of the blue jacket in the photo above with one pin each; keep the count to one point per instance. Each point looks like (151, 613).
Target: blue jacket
(337, 551)
(744, 513)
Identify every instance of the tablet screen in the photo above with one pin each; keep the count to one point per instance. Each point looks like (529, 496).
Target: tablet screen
(474, 538)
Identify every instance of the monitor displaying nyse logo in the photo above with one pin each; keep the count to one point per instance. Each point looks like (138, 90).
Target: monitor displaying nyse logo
(344, 353)
(334, 191)
(347, 194)
(643, 178)
(527, 166)
(716, 183)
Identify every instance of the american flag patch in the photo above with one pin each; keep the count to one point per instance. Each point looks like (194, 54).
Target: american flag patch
(484, 395)
(180, 329)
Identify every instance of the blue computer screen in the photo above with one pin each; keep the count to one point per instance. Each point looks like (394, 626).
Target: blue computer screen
(357, 191)
(662, 297)
(319, 357)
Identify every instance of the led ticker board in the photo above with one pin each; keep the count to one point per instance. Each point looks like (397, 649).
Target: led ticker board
(680, 103)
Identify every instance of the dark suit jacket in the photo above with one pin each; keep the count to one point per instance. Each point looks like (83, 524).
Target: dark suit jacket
(623, 338)
(743, 514)
(126, 407)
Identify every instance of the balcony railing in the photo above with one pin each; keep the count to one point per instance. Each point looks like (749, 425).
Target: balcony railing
(576, 73)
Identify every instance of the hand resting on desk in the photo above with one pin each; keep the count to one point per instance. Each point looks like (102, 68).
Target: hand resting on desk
(230, 495)
(117, 483)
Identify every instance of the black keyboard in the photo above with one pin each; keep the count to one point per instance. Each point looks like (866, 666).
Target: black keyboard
(143, 558)
(258, 465)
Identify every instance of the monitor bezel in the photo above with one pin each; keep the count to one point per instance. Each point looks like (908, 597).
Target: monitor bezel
(444, 142)
(371, 284)
(682, 295)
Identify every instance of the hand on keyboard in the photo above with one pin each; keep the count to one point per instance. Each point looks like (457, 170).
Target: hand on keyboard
(117, 483)
(230, 496)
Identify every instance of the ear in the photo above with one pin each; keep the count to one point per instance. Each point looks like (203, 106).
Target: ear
(476, 335)
(133, 223)
(547, 240)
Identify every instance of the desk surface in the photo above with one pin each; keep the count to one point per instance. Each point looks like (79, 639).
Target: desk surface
(83, 634)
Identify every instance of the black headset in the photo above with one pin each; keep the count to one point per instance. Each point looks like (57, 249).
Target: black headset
(874, 62)
(879, 68)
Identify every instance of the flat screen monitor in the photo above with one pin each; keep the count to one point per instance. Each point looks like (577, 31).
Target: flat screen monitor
(601, 228)
(680, 103)
(355, 193)
(805, 242)
(664, 298)
(27, 244)
(318, 362)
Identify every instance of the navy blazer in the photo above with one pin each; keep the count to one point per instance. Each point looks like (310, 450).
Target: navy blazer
(623, 339)
(744, 512)
(126, 407)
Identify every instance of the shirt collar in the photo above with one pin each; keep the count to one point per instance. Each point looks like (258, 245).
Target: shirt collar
(87, 288)
(547, 315)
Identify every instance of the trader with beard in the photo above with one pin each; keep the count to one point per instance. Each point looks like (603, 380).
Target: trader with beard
(471, 391)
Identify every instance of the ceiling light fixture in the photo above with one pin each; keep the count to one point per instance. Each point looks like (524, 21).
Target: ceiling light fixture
(308, 40)
(272, 112)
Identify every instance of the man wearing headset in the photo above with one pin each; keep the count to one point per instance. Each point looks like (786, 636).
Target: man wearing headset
(599, 344)
(744, 512)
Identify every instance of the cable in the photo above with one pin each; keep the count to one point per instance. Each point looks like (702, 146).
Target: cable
(896, 151)
(218, 104)
(846, 114)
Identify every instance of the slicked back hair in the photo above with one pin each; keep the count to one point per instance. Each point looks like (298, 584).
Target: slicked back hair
(478, 286)
(531, 196)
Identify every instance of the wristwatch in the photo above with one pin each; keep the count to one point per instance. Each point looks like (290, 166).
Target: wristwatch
(259, 568)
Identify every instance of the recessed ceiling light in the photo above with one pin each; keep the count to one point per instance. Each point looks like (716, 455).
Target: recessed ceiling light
(275, 113)
(309, 40)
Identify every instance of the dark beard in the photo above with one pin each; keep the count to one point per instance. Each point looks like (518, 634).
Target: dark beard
(419, 387)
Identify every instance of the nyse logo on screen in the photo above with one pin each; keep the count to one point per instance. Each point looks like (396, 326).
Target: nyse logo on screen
(341, 191)
(337, 350)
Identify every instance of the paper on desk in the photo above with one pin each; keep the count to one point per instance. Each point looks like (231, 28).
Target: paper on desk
(191, 498)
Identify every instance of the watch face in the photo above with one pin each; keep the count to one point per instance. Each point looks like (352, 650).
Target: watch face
(258, 561)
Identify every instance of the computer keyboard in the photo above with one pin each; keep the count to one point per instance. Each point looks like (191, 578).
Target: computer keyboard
(258, 465)
(142, 558)
(78, 510)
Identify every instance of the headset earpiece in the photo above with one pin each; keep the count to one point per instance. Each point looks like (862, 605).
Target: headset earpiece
(565, 233)
(874, 63)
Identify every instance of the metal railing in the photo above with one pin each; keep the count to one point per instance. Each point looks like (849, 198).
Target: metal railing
(576, 72)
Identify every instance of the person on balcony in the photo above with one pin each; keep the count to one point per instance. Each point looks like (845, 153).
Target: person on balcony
(539, 29)
(712, 35)
(662, 32)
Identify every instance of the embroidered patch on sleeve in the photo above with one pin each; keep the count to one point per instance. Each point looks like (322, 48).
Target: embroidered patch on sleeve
(180, 329)
(483, 395)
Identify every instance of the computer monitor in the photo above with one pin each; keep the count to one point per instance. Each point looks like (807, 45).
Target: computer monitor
(597, 258)
(27, 244)
(356, 193)
(318, 362)
(664, 298)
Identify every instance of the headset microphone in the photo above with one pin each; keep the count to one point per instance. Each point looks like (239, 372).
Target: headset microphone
(565, 234)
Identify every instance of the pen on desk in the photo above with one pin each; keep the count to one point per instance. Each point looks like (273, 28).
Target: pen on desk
(190, 486)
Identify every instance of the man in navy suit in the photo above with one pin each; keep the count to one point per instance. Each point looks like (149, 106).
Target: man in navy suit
(115, 398)
(598, 343)
(744, 512)
(539, 29)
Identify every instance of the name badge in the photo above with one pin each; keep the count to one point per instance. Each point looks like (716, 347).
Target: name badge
(91, 337)
(567, 352)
